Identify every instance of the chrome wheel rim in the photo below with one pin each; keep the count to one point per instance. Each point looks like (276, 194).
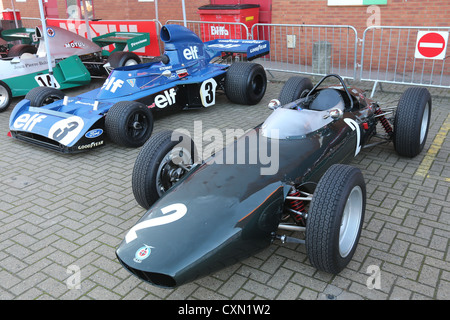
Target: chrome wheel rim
(131, 62)
(4, 97)
(351, 220)
(424, 125)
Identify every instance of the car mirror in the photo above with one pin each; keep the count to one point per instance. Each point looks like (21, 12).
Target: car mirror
(336, 113)
(166, 73)
(274, 104)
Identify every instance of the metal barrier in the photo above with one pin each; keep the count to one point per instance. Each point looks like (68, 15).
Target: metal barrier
(215, 30)
(309, 49)
(388, 55)
(387, 52)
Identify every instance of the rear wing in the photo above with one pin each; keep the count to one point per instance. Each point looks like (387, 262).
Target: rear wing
(252, 48)
(25, 35)
(134, 40)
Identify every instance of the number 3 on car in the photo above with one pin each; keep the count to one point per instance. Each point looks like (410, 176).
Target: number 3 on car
(208, 92)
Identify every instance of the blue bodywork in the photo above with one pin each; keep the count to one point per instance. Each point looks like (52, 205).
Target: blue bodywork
(180, 77)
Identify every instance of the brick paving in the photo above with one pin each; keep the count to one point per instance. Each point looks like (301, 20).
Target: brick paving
(61, 213)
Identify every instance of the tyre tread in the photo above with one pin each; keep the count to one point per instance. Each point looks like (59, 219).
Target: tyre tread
(144, 168)
(408, 117)
(39, 94)
(236, 83)
(114, 122)
(293, 88)
(327, 197)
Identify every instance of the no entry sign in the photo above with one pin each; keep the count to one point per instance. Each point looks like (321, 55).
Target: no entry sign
(431, 44)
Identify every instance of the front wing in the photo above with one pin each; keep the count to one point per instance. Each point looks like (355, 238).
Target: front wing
(55, 130)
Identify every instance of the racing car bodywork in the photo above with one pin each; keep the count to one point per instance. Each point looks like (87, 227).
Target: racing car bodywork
(74, 60)
(184, 76)
(203, 216)
(10, 37)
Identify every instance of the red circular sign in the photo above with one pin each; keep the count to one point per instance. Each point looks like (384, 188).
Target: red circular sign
(431, 45)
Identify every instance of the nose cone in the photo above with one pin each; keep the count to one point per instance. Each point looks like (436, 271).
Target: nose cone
(168, 248)
(188, 233)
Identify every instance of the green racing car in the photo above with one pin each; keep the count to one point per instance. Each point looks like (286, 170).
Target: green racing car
(75, 60)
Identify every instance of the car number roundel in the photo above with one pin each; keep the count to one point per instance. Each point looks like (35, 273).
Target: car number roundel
(47, 80)
(66, 130)
(208, 92)
(170, 213)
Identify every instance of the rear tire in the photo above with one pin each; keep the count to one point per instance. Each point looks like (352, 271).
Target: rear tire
(245, 83)
(155, 170)
(335, 218)
(5, 96)
(19, 49)
(123, 58)
(41, 96)
(295, 88)
(129, 123)
(412, 121)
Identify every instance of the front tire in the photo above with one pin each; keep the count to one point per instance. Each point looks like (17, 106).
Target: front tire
(42, 96)
(157, 167)
(19, 49)
(335, 218)
(412, 121)
(129, 123)
(245, 83)
(5, 96)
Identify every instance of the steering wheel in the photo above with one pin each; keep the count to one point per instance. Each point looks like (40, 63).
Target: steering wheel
(340, 80)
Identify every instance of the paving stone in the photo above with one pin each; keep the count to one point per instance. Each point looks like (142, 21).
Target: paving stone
(58, 211)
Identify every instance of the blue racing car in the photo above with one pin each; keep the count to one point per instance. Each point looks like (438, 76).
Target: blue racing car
(186, 76)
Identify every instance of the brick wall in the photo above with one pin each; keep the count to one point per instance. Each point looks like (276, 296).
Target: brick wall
(120, 9)
(27, 9)
(396, 12)
(134, 10)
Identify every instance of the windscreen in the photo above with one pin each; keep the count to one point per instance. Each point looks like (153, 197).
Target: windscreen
(289, 123)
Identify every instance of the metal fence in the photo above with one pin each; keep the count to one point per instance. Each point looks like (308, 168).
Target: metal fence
(388, 55)
(387, 52)
(309, 49)
(215, 30)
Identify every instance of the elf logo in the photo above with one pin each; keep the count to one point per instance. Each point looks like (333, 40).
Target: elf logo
(111, 84)
(191, 53)
(26, 122)
(166, 99)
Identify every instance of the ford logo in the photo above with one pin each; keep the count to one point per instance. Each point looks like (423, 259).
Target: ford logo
(94, 133)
